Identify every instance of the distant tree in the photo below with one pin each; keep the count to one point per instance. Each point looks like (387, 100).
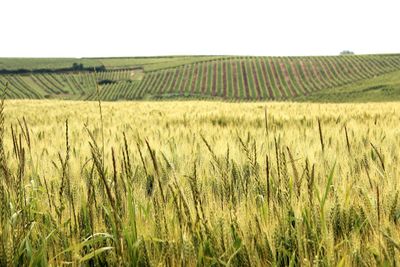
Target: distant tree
(76, 66)
(346, 52)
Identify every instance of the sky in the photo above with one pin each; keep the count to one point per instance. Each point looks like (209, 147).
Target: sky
(86, 28)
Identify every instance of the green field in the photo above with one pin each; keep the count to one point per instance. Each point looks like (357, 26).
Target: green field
(233, 78)
(384, 87)
(148, 63)
(239, 175)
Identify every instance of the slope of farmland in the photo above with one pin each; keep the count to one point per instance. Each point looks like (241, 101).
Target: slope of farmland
(147, 63)
(231, 78)
(262, 78)
(382, 88)
(113, 85)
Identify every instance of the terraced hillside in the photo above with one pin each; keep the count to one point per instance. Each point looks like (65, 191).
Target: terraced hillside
(115, 84)
(224, 77)
(257, 78)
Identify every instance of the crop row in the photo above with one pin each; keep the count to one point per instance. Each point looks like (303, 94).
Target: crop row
(259, 78)
(117, 85)
(247, 78)
(116, 91)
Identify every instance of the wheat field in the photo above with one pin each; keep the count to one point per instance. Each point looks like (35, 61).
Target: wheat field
(190, 183)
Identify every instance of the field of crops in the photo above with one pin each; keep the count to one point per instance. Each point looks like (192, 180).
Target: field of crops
(229, 78)
(257, 78)
(118, 84)
(147, 63)
(200, 183)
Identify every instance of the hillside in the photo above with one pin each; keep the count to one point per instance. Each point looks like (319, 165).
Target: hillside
(147, 63)
(332, 78)
(381, 88)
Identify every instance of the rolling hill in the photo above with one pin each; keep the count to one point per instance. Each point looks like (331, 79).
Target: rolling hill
(234, 78)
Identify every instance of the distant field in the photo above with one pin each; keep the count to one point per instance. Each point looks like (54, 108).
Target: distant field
(197, 183)
(43, 63)
(232, 78)
(384, 87)
(148, 63)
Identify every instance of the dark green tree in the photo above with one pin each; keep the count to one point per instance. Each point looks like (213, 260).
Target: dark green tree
(346, 52)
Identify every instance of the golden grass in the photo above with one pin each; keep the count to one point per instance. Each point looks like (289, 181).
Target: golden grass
(187, 183)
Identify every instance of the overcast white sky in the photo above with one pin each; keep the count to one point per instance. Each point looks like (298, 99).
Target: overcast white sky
(83, 28)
